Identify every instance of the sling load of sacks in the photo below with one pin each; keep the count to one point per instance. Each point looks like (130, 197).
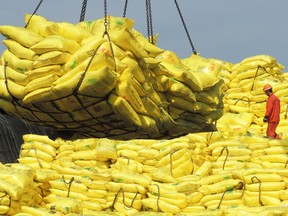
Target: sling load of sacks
(245, 96)
(102, 83)
(196, 174)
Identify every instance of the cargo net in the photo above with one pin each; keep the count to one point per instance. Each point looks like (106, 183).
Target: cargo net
(103, 78)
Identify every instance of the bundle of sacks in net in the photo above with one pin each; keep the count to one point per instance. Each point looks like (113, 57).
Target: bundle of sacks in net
(103, 78)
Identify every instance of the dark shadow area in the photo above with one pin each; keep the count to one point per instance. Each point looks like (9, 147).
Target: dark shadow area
(11, 132)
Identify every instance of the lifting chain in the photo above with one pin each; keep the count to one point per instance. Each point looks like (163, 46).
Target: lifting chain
(35, 11)
(149, 21)
(125, 8)
(105, 16)
(182, 19)
(83, 10)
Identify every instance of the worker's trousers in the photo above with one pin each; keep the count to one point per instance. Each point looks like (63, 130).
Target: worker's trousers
(271, 130)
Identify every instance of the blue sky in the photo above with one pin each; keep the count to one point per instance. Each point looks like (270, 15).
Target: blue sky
(229, 30)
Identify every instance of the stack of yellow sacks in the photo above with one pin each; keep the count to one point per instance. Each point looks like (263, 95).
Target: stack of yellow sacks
(200, 174)
(245, 94)
(102, 83)
(17, 188)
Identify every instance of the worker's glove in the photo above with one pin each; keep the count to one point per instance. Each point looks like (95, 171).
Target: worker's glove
(266, 119)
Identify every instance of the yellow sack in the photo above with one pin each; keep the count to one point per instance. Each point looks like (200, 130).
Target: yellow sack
(41, 139)
(220, 187)
(266, 186)
(178, 199)
(45, 175)
(40, 25)
(51, 58)
(195, 107)
(111, 49)
(212, 179)
(131, 178)
(152, 213)
(66, 206)
(126, 90)
(204, 170)
(84, 52)
(148, 153)
(231, 124)
(133, 69)
(92, 163)
(127, 41)
(14, 89)
(233, 151)
(263, 177)
(55, 43)
(149, 125)
(18, 50)
(16, 77)
(40, 83)
(61, 184)
(86, 24)
(92, 206)
(119, 207)
(133, 188)
(43, 71)
(152, 49)
(157, 204)
(274, 158)
(250, 73)
(171, 58)
(98, 61)
(73, 32)
(213, 95)
(5, 209)
(34, 211)
(37, 153)
(96, 193)
(24, 36)
(113, 22)
(124, 110)
(34, 163)
(229, 195)
(20, 65)
(181, 90)
(41, 146)
(180, 74)
(163, 174)
(106, 150)
(9, 185)
(98, 83)
(100, 109)
(206, 71)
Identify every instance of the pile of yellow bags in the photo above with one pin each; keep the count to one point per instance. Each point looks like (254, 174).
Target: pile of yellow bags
(200, 174)
(245, 94)
(17, 188)
(105, 82)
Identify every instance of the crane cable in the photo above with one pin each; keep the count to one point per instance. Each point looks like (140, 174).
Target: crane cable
(185, 27)
(149, 21)
(105, 18)
(148, 16)
(83, 10)
(35, 11)
(107, 33)
(125, 8)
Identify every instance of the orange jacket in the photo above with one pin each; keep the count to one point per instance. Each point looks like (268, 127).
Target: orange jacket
(273, 108)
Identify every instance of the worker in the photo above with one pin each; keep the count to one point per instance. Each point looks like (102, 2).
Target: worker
(272, 115)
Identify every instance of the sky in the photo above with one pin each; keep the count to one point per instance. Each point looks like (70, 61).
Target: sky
(228, 30)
